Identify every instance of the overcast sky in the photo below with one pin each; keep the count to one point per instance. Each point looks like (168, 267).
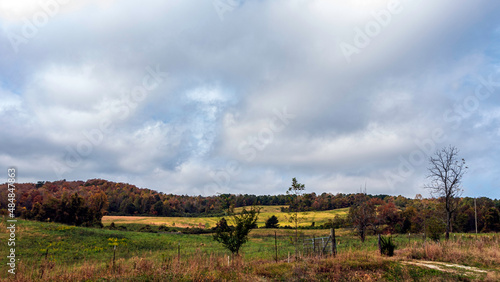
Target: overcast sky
(200, 97)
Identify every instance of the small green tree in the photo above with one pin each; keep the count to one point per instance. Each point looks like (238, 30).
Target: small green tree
(337, 222)
(435, 228)
(295, 193)
(233, 237)
(272, 222)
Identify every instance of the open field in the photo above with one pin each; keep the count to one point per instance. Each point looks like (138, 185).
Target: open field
(51, 251)
(306, 218)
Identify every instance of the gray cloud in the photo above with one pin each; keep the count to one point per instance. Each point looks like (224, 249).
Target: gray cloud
(354, 117)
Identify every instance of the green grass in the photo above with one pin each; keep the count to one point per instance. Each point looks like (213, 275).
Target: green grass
(69, 247)
(70, 244)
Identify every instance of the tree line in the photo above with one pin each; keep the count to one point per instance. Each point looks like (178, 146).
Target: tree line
(419, 215)
(127, 199)
(84, 203)
(70, 209)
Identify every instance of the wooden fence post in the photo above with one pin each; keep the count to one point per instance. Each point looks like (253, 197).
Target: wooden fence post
(314, 245)
(379, 244)
(334, 242)
(276, 245)
(114, 256)
(179, 252)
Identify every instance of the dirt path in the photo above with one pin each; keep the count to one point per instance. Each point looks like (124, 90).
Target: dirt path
(448, 267)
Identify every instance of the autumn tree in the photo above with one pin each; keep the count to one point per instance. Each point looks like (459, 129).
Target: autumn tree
(388, 214)
(98, 204)
(491, 220)
(362, 215)
(445, 173)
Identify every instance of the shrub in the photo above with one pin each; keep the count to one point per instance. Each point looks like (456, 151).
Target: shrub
(196, 230)
(272, 222)
(147, 228)
(436, 228)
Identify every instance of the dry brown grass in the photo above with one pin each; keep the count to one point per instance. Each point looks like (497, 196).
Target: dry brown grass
(493, 276)
(349, 265)
(482, 252)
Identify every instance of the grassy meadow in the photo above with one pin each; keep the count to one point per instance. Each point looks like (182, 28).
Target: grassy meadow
(57, 252)
(306, 218)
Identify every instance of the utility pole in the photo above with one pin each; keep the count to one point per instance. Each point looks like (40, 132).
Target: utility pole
(475, 213)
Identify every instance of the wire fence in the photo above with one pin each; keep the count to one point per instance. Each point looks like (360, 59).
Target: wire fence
(279, 245)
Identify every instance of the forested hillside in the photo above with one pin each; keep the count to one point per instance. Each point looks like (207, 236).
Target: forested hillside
(85, 202)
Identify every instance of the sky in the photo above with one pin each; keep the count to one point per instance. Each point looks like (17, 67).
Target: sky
(232, 96)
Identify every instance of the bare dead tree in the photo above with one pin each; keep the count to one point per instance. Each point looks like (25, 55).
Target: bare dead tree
(445, 173)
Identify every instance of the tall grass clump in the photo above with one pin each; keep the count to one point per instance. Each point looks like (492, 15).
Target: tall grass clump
(387, 247)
